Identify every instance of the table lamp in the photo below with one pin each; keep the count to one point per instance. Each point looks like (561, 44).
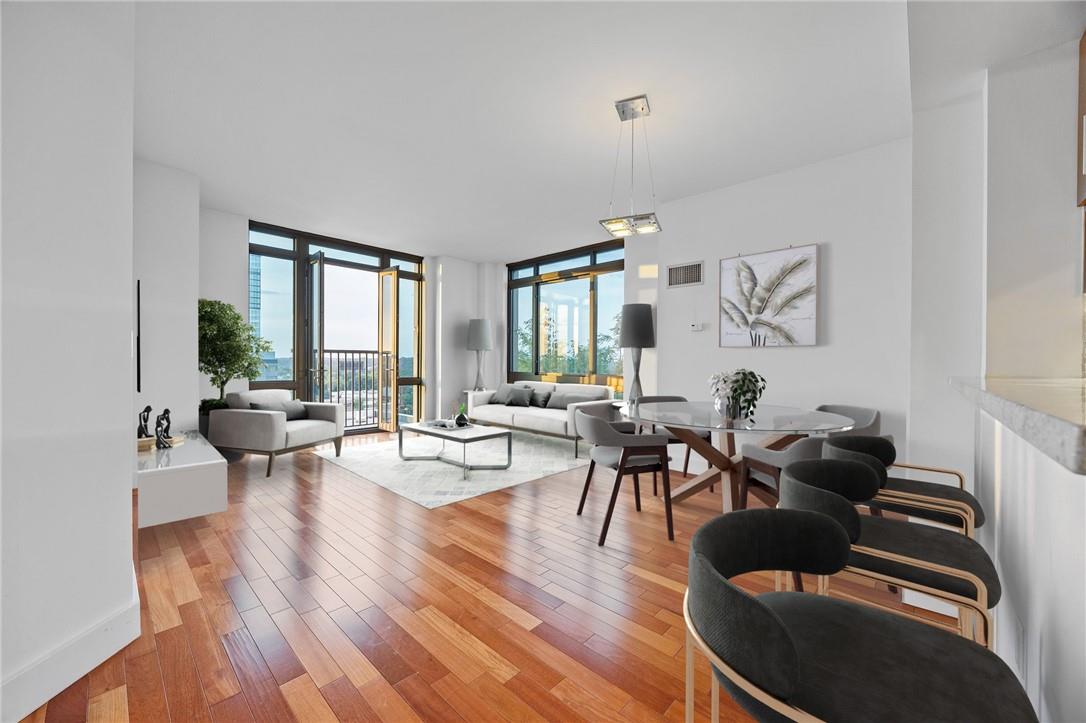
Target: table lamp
(479, 340)
(636, 333)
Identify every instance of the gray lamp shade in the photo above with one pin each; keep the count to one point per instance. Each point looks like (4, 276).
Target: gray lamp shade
(479, 336)
(637, 331)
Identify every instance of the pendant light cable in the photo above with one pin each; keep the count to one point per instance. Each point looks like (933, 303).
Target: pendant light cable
(614, 173)
(648, 157)
(632, 124)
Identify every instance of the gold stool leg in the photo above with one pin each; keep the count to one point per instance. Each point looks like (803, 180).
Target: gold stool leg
(688, 712)
(716, 696)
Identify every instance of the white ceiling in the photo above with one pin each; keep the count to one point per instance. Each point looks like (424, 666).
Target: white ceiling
(952, 43)
(486, 131)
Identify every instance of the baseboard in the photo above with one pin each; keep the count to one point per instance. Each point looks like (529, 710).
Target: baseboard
(24, 691)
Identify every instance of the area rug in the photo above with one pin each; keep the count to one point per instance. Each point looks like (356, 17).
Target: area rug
(434, 484)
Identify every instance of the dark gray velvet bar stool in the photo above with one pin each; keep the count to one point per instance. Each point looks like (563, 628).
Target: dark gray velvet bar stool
(798, 656)
(946, 504)
(938, 562)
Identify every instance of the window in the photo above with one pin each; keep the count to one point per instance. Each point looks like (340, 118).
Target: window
(564, 311)
(271, 312)
(339, 254)
(521, 320)
(610, 295)
(274, 240)
(412, 266)
(564, 264)
(564, 315)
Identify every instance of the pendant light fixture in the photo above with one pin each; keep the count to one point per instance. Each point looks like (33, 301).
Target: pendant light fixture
(629, 110)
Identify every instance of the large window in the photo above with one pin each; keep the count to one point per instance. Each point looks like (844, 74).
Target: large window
(271, 312)
(315, 299)
(564, 315)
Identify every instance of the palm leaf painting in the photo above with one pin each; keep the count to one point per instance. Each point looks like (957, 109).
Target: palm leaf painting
(775, 309)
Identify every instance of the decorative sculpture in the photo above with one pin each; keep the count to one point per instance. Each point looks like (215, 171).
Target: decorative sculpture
(145, 417)
(162, 430)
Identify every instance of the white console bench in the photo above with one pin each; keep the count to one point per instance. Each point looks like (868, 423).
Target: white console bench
(181, 482)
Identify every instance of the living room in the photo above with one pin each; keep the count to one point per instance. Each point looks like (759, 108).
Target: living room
(451, 361)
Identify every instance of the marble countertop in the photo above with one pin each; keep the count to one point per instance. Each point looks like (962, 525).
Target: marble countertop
(1050, 414)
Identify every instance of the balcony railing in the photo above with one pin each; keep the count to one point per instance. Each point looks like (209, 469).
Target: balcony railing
(350, 378)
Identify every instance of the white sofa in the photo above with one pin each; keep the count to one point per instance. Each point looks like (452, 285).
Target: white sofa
(552, 422)
(244, 429)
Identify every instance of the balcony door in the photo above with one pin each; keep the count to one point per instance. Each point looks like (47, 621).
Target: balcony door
(314, 323)
(388, 351)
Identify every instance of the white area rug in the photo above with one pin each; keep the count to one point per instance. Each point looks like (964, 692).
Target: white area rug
(433, 484)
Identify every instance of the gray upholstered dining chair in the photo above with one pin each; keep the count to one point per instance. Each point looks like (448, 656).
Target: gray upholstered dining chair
(867, 421)
(946, 504)
(761, 467)
(617, 446)
(798, 656)
(935, 561)
(672, 439)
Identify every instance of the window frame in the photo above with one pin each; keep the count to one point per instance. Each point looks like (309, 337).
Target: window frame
(535, 280)
(299, 255)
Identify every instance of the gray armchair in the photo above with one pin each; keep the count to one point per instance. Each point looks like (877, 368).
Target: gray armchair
(617, 446)
(268, 431)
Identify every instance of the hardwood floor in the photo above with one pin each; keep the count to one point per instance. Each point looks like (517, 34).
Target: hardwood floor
(318, 597)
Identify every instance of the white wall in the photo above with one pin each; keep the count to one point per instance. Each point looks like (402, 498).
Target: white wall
(947, 304)
(456, 292)
(167, 246)
(224, 273)
(1034, 269)
(69, 598)
(857, 208)
(1035, 535)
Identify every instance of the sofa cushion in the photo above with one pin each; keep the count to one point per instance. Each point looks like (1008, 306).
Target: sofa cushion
(301, 432)
(501, 396)
(540, 397)
(520, 397)
(592, 392)
(561, 400)
(245, 400)
(550, 421)
(293, 408)
(496, 413)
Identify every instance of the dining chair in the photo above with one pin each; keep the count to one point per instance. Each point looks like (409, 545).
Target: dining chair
(946, 504)
(761, 468)
(867, 421)
(932, 560)
(805, 657)
(618, 446)
(672, 439)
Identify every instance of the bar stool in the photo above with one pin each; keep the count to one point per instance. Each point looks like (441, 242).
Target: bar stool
(804, 657)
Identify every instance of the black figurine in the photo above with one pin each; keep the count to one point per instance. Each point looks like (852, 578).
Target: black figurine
(145, 417)
(162, 430)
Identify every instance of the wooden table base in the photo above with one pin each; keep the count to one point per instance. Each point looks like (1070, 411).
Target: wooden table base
(720, 461)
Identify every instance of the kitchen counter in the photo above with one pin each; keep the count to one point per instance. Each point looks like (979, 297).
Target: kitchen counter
(1050, 414)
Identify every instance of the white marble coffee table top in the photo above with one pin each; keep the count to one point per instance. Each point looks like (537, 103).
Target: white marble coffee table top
(471, 433)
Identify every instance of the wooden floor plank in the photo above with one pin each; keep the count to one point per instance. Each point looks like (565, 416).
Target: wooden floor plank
(319, 596)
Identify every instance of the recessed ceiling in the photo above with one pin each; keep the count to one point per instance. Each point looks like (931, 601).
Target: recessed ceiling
(487, 131)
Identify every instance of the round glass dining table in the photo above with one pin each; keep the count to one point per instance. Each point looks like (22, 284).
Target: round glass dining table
(689, 421)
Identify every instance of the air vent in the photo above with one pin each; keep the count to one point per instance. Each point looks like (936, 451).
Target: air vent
(685, 274)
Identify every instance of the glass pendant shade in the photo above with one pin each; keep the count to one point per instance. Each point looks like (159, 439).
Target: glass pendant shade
(622, 226)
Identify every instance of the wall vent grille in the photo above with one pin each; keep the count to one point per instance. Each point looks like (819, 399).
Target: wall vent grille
(685, 274)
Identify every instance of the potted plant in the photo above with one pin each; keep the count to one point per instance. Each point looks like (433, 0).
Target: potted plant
(736, 394)
(229, 348)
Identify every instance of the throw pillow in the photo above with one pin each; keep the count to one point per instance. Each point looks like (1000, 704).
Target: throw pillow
(502, 395)
(562, 400)
(520, 397)
(540, 397)
(295, 410)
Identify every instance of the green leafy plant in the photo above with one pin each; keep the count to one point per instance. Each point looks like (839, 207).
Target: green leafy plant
(760, 304)
(229, 348)
(737, 392)
(207, 405)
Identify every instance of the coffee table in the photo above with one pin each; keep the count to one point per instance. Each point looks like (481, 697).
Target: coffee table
(464, 436)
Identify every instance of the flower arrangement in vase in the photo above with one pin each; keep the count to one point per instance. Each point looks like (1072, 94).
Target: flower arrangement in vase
(736, 394)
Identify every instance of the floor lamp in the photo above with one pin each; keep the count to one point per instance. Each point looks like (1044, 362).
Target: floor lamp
(636, 333)
(479, 340)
